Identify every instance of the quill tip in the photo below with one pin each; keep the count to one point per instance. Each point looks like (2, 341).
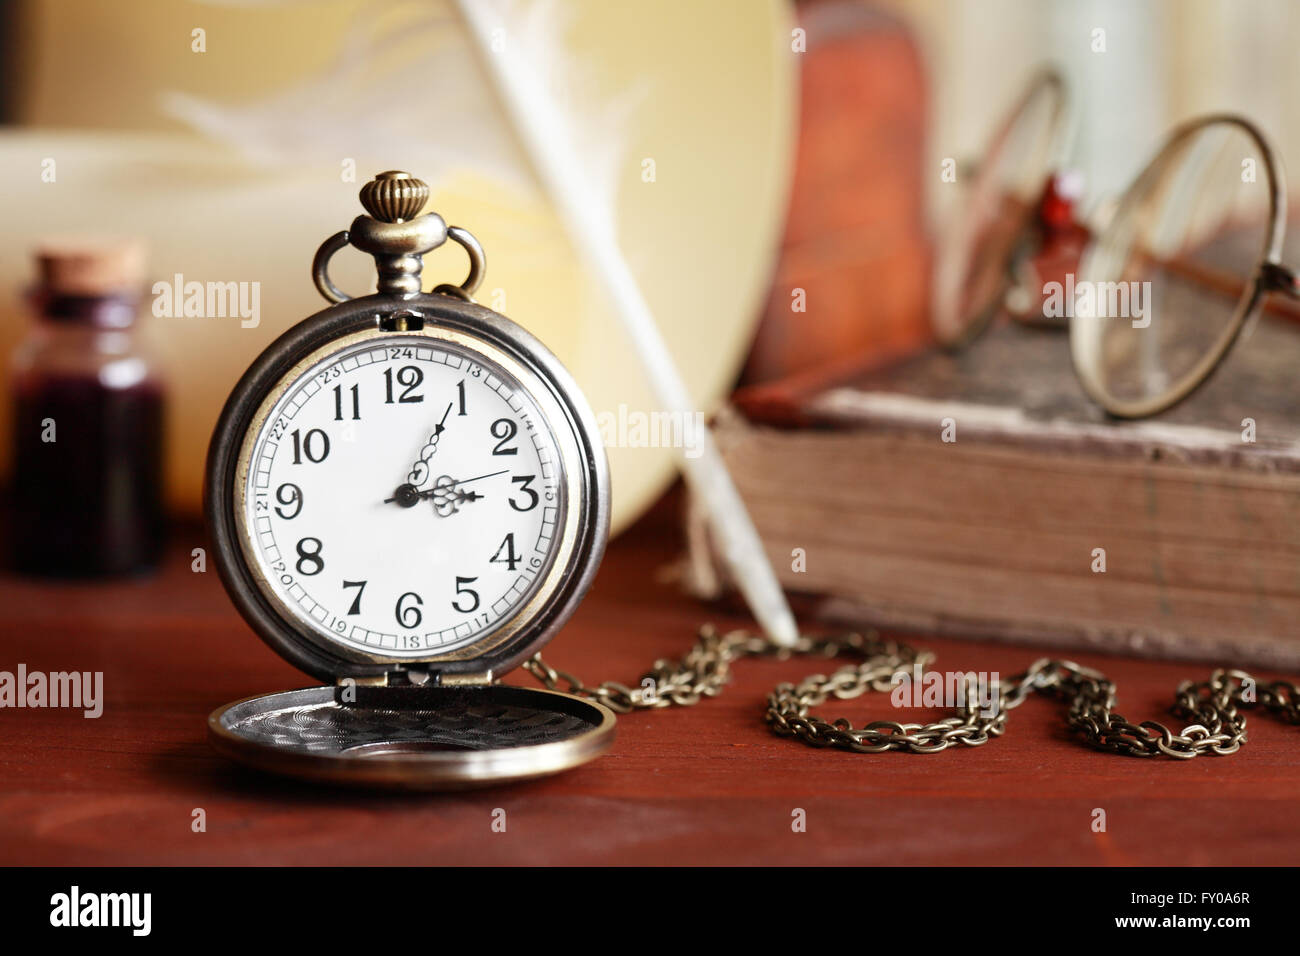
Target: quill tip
(779, 625)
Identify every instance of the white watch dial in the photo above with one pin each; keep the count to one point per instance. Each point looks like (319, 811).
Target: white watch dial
(404, 498)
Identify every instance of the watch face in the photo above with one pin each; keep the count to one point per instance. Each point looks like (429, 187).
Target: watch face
(404, 496)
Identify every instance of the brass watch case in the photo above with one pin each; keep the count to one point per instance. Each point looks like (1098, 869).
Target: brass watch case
(417, 698)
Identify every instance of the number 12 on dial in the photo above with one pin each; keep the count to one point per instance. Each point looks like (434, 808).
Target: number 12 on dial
(405, 497)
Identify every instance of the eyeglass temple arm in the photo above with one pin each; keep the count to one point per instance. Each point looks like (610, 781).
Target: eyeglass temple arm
(1275, 277)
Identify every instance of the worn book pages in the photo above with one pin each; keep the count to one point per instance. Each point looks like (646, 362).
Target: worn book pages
(1038, 519)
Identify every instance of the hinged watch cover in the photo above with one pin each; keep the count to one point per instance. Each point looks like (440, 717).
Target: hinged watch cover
(414, 738)
(437, 722)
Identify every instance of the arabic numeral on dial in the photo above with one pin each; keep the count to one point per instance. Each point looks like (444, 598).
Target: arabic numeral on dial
(356, 601)
(524, 482)
(504, 429)
(460, 394)
(510, 560)
(467, 594)
(290, 496)
(315, 445)
(409, 615)
(309, 556)
(410, 378)
(338, 403)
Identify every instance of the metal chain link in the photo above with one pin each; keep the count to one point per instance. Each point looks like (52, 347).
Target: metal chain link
(1217, 724)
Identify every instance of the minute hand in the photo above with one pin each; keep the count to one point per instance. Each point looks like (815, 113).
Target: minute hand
(428, 451)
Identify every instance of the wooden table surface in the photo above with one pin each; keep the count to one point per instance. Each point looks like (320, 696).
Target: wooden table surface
(707, 785)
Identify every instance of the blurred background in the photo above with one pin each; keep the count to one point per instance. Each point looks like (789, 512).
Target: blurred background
(1163, 61)
(760, 147)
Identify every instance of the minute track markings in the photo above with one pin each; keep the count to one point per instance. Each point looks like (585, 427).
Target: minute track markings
(345, 541)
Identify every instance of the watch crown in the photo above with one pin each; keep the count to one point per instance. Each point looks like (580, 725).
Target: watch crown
(394, 196)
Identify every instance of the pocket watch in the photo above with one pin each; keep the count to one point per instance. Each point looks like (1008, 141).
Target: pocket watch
(407, 497)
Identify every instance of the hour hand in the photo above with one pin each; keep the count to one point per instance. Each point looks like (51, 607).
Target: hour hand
(447, 496)
(408, 496)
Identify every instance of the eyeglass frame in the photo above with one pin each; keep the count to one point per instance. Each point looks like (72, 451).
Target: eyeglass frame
(1269, 275)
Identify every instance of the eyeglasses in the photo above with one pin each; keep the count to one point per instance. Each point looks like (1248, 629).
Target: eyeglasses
(1156, 297)
(999, 225)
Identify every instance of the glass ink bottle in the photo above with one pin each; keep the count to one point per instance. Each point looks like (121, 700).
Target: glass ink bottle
(87, 420)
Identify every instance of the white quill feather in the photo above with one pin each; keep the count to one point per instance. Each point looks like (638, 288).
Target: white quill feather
(498, 76)
(555, 148)
(350, 108)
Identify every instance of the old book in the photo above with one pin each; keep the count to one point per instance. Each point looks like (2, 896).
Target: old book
(1040, 520)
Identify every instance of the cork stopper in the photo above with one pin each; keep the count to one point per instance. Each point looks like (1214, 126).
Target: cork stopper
(91, 266)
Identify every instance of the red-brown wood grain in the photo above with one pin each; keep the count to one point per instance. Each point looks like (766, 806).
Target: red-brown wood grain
(707, 785)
